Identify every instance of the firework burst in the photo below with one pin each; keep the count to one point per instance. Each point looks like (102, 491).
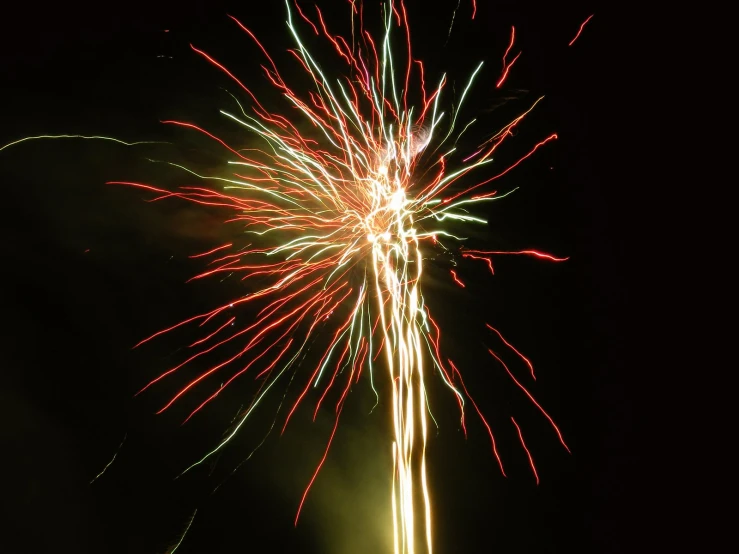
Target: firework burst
(339, 219)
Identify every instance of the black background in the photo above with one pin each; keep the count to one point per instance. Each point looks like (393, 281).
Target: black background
(91, 269)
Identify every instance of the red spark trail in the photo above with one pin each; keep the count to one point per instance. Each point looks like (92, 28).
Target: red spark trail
(488, 260)
(338, 333)
(437, 349)
(531, 459)
(214, 333)
(456, 279)
(482, 417)
(238, 374)
(513, 37)
(318, 469)
(216, 249)
(509, 345)
(201, 353)
(333, 377)
(297, 5)
(172, 328)
(534, 253)
(506, 70)
(190, 125)
(580, 30)
(507, 66)
(534, 149)
(559, 433)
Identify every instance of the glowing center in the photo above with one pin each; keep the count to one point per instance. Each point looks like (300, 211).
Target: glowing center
(397, 201)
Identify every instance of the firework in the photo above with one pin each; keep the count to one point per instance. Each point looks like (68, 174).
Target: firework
(339, 218)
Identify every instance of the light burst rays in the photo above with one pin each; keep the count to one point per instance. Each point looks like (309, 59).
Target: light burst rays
(337, 220)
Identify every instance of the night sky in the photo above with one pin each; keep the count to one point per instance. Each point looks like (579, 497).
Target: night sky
(91, 269)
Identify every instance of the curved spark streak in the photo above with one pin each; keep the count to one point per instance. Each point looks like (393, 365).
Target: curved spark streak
(85, 137)
(531, 459)
(509, 345)
(525, 390)
(582, 26)
(507, 66)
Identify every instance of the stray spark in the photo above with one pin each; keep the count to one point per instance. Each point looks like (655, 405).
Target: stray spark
(111, 460)
(531, 459)
(26, 139)
(456, 279)
(451, 25)
(580, 29)
(174, 548)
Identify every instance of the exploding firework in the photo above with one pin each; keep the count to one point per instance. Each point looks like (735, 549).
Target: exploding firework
(341, 220)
